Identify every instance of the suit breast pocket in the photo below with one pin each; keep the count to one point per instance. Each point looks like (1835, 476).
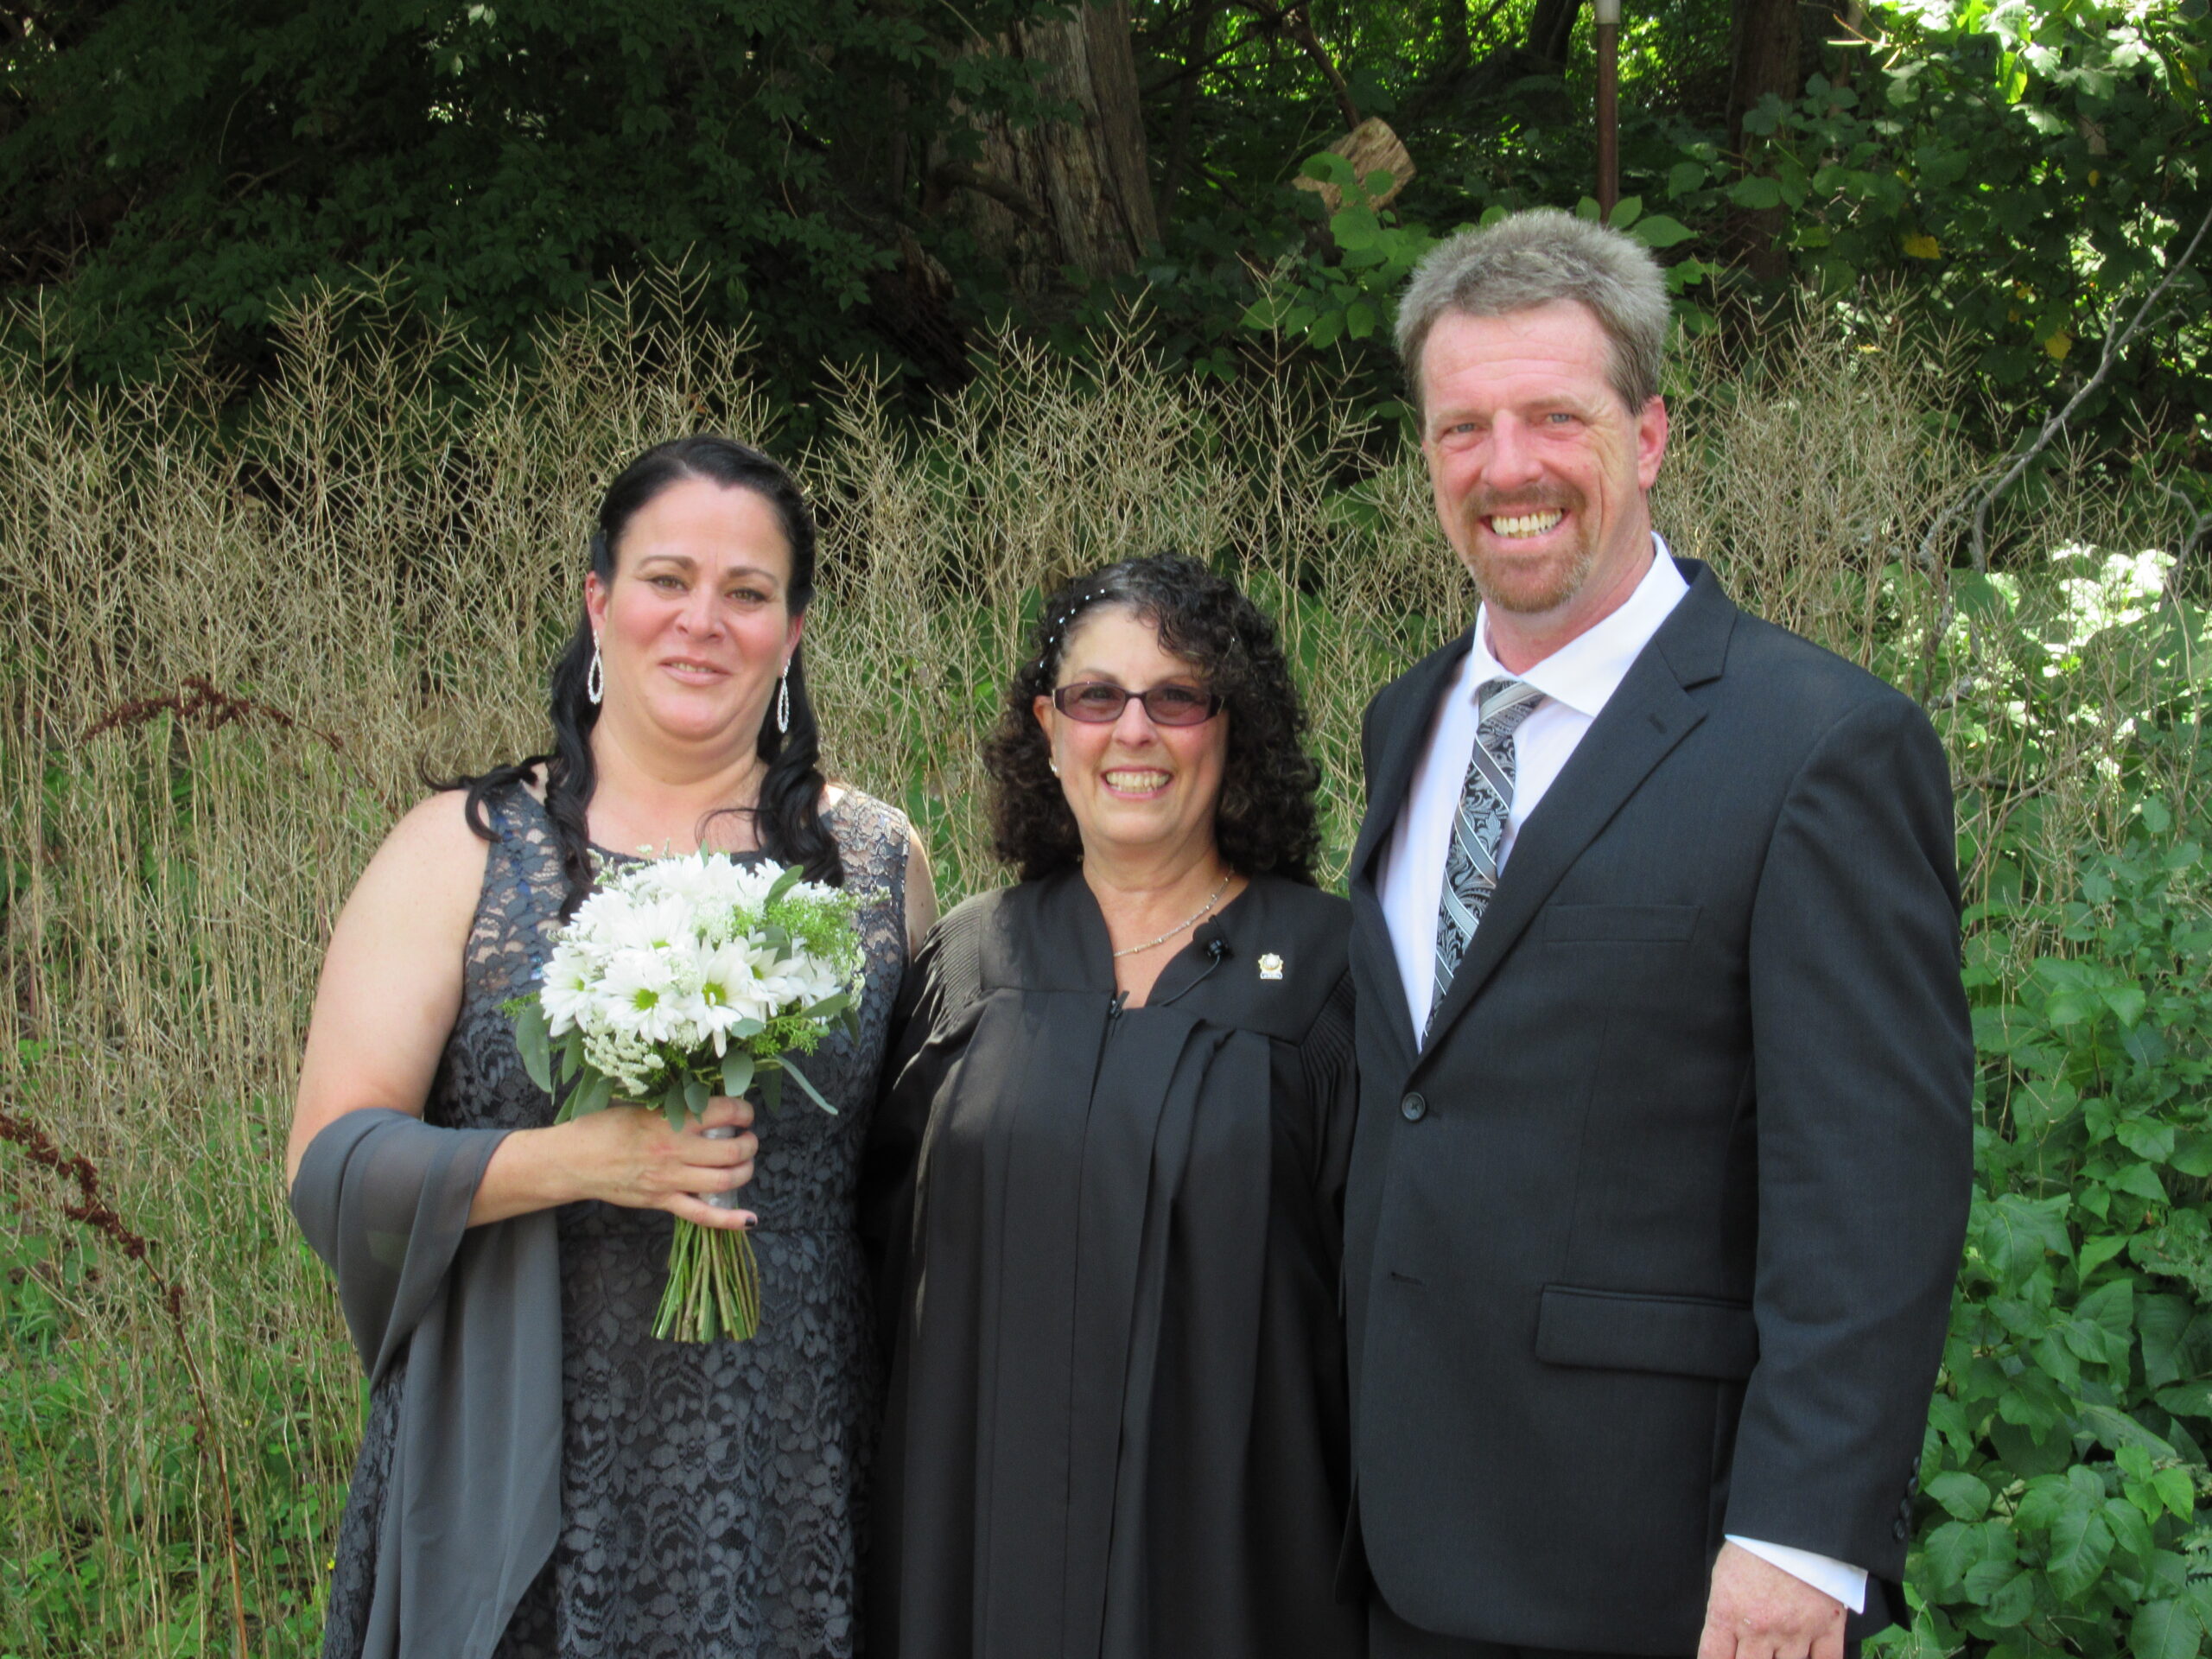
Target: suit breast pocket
(1619, 924)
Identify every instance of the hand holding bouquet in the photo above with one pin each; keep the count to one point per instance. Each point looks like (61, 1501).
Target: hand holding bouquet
(677, 980)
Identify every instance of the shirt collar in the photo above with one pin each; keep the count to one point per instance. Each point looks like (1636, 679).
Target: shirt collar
(1585, 671)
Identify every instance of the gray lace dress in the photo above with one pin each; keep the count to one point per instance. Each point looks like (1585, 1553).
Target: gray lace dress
(710, 1493)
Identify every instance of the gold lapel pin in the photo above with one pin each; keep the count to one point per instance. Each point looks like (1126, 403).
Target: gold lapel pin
(1271, 966)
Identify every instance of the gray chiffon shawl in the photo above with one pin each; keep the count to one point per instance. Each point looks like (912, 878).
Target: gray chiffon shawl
(474, 1499)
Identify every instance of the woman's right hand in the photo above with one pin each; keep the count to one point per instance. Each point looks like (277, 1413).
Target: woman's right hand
(627, 1155)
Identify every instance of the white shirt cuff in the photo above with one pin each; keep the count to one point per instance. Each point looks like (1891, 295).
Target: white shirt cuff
(1848, 1584)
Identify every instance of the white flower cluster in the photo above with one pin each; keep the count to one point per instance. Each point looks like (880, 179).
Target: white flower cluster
(674, 957)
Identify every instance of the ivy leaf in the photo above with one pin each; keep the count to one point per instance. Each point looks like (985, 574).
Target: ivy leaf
(1661, 232)
(2142, 1181)
(1329, 168)
(2178, 1490)
(2014, 1602)
(1950, 1554)
(1960, 1493)
(2080, 1544)
(2126, 1003)
(1989, 1578)
(1354, 227)
(2192, 1154)
(2016, 1232)
(2189, 1400)
(2161, 1322)
(2163, 1630)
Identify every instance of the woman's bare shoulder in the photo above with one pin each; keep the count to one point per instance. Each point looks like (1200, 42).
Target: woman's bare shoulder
(432, 859)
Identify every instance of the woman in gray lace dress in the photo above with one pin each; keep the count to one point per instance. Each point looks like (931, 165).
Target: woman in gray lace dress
(538, 1475)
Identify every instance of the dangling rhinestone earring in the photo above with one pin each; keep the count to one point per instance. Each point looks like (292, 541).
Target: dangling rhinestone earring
(783, 700)
(595, 680)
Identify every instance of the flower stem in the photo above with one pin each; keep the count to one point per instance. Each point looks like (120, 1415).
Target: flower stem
(714, 1286)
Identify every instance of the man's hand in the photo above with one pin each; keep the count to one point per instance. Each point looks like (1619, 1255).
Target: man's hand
(1758, 1611)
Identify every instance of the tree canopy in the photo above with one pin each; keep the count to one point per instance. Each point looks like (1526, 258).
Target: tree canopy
(887, 179)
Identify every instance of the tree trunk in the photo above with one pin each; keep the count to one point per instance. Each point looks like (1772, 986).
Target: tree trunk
(1551, 27)
(1063, 193)
(1766, 42)
(1766, 56)
(1198, 28)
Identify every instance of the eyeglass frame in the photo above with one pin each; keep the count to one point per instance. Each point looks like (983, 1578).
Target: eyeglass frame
(1214, 702)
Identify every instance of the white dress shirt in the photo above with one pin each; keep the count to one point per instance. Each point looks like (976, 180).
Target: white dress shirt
(1576, 681)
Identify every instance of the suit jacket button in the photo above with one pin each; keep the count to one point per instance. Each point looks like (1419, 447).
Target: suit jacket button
(1903, 1530)
(1413, 1109)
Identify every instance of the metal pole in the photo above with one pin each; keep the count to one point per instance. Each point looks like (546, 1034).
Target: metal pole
(1608, 15)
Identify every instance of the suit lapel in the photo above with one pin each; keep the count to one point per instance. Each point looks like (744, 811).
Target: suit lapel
(1650, 713)
(1407, 710)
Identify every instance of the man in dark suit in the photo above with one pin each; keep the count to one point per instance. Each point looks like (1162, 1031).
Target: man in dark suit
(1664, 1151)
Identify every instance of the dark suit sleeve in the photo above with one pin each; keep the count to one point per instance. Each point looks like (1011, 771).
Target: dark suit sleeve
(1864, 1081)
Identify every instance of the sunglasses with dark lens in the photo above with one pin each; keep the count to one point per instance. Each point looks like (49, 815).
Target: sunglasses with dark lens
(1094, 703)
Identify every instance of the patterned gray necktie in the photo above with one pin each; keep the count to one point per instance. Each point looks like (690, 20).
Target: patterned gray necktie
(1470, 867)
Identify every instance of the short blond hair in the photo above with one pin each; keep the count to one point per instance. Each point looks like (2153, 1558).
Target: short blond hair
(1539, 257)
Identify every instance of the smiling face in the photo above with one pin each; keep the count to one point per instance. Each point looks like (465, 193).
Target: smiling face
(1539, 471)
(696, 625)
(1138, 790)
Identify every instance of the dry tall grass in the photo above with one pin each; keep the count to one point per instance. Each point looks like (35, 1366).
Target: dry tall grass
(230, 658)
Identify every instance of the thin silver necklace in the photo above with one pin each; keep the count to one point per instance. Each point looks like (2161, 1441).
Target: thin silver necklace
(1191, 921)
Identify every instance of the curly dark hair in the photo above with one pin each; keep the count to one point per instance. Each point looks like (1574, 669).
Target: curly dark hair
(1265, 822)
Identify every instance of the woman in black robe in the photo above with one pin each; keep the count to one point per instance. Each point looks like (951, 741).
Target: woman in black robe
(1109, 1169)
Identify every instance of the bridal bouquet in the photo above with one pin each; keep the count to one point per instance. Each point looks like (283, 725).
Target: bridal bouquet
(677, 980)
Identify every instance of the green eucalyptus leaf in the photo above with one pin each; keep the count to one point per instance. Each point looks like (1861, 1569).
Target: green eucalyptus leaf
(737, 1071)
(533, 1042)
(812, 1093)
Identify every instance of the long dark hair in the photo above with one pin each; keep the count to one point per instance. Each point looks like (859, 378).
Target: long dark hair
(1265, 821)
(787, 821)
